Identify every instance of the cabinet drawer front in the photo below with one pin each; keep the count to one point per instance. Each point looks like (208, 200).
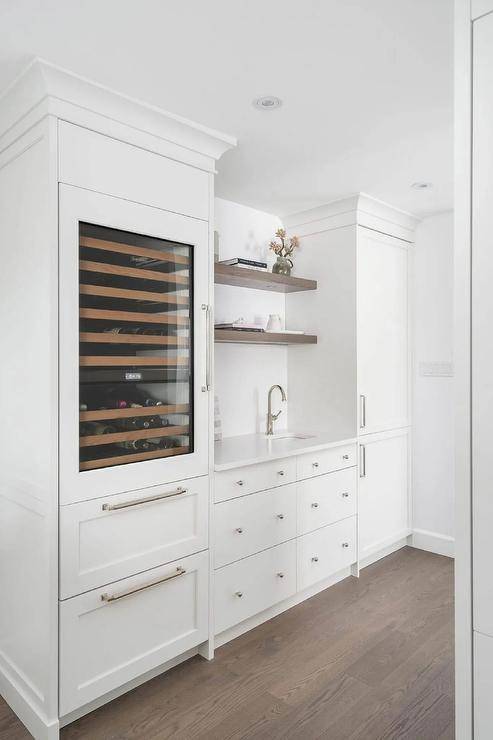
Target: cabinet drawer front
(251, 585)
(107, 539)
(326, 551)
(326, 499)
(100, 163)
(326, 461)
(229, 484)
(248, 524)
(104, 644)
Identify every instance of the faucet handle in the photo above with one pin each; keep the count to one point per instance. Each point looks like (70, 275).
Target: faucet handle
(276, 416)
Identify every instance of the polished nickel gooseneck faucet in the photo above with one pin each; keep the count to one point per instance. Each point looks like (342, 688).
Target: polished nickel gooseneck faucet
(270, 416)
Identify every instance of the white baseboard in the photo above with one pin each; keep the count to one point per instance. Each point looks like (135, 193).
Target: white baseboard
(381, 549)
(441, 544)
(39, 727)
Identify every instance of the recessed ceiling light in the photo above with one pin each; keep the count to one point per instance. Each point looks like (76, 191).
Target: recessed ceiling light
(267, 102)
(422, 185)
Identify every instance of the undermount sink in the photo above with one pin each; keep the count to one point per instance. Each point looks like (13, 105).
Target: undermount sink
(289, 435)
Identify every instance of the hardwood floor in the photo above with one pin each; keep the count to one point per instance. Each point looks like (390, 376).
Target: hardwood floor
(368, 659)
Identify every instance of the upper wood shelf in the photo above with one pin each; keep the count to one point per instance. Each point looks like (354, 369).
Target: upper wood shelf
(262, 337)
(243, 277)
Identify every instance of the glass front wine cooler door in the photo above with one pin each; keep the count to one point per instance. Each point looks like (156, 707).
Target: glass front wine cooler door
(135, 348)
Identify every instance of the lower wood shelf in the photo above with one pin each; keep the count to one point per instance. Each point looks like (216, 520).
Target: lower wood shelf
(262, 337)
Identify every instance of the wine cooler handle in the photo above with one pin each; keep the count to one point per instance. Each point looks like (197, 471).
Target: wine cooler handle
(208, 344)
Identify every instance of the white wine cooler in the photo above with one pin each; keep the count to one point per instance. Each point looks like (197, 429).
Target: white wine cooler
(135, 345)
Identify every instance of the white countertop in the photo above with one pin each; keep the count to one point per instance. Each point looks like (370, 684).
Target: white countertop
(249, 449)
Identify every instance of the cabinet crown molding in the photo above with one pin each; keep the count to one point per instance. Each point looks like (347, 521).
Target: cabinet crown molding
(46, 89)
(359, 209)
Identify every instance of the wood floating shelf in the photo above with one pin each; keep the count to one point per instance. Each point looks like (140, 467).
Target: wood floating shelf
(261, 337)
(133, 457)
(99, 414)
(108, 439)
(243, 277)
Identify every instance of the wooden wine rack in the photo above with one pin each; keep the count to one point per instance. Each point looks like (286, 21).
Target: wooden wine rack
(126, 288)
(106, 462)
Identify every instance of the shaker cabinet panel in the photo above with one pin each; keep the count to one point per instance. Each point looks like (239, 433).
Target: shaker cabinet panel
(382, 332)
(97, 162)
(104, 540)
(383, 491)
(114, 634)
(326, 499)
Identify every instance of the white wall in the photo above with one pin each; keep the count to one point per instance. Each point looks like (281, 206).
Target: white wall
(433, 463)
(244, 373)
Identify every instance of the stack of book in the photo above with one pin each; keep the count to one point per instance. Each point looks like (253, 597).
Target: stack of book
(248, 264)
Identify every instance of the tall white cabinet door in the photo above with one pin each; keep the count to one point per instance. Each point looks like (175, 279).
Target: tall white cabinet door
(383, 354)
(482, 334)
(134, 346)
(383, 508)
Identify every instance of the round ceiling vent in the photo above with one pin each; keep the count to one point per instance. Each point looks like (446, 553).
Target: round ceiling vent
(267, 102)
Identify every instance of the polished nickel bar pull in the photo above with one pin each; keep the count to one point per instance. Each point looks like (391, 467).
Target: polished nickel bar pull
(109, 599)
(208, 353)
(146, 500)
(362, 412)
(362, 461)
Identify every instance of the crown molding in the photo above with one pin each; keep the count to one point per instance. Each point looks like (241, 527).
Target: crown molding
(46, 89)
(354, 210)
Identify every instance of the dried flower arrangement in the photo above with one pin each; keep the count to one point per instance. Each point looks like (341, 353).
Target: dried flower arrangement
(284, 248)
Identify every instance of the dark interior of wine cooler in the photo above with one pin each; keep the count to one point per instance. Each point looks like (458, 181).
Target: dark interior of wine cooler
(136, 347)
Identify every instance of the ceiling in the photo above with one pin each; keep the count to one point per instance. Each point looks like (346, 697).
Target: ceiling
(366, 85)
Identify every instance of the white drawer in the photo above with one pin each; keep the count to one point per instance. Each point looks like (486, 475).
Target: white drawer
(326, 551)
(326, 499)
(97, 162)
(251, 585)
(104, 644)
(100, 544)
(326, 461)
(240, 481)
(248, 524)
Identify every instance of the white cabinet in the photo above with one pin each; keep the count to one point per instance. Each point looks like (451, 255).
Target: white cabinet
(326, 499)
(107, 208)
(383, 509)
(229, 484)
(326, 551)
(251, 523)
(483, 686)
(251, 585)
(382, 332)
(104, 540)
(111, 635)
(325, 461)
(482, 336)
(275, 543)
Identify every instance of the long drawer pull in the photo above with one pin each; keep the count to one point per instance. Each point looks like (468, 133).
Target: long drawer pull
(146, 500)
(115, 597)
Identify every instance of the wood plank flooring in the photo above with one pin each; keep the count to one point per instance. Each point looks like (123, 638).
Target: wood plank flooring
(368, 659)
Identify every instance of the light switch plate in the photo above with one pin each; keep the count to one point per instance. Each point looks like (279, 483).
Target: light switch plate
(436, 369)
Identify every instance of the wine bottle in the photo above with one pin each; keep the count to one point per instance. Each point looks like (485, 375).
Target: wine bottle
(136, 423)
(136, 444)
(89, 428)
